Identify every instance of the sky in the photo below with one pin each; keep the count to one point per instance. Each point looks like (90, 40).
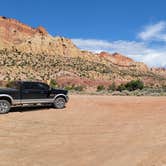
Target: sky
(135, 28)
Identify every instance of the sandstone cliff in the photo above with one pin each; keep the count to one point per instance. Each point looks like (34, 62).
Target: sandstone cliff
(32, 53)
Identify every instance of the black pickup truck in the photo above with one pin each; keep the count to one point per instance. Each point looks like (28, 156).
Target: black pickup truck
(34, 93)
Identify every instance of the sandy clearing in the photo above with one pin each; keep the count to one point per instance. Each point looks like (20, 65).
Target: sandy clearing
(91, 130)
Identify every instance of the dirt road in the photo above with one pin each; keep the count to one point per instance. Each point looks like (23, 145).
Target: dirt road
(91, 131)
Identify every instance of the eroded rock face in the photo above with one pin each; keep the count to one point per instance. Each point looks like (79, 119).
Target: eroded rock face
(123, 62)
(35, 40)
(18, 40)
(160, 71)
(12, 30)
(117, 59)
(42, 30)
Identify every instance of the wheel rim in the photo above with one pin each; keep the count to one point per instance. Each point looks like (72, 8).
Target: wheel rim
(60, 103)
(3, 107)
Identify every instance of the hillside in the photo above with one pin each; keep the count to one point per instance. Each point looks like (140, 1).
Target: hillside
(33, 54)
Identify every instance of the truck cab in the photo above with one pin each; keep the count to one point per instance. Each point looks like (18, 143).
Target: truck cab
(28, 92)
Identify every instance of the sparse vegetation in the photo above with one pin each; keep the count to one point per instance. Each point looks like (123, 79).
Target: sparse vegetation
(134, 85)
(69, 87)
(18, 65)
(112, 87)
(74, 87)
(53, 83)
(131, 86)
(79, 88)
(100, 88)
(121, 87)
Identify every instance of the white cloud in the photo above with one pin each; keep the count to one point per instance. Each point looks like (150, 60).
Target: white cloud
(92, 44)
(139, 51)
(154, 57)
(102, 45)
(143, 51)
(155, 32)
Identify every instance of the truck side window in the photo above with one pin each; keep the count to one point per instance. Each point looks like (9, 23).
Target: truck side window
(27, 86)
(43, 86)
(35, 86)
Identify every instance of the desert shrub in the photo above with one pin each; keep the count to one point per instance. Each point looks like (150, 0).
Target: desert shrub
(131, 86)
(117, 93)
(74, 87)
(79, 88)
(153, 90)
(100, 88)
(125, 92)
(164, 88)
(137, 92)
(69, 87)
(53, 84)
(112, 87)
(134, 85)
(121, 87)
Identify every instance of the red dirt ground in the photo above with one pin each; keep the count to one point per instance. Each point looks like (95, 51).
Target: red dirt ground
(90, 131)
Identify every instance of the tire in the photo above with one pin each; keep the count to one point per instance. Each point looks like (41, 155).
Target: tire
(59, 103)
(4, 106)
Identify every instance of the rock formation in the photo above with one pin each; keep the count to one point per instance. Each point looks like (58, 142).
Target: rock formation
(33, 52)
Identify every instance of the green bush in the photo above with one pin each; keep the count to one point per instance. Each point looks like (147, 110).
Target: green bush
(100, 88)
(164, 88)
(131, 86)
(134, 85)
(121, 87)
(53, 84)
(69, 87)
(112, 87)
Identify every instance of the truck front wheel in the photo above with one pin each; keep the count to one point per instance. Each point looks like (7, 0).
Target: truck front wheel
(4, 106)
(59, 103)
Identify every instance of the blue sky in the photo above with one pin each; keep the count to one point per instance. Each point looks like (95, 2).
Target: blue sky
(136, 28)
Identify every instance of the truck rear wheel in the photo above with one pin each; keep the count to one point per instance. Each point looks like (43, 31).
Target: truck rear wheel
(59, 103)
(4, 106)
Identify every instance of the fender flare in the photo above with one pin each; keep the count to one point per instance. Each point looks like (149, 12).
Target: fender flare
(58, 95)
(7, 96)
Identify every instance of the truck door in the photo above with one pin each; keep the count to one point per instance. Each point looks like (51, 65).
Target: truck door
(32, 90)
